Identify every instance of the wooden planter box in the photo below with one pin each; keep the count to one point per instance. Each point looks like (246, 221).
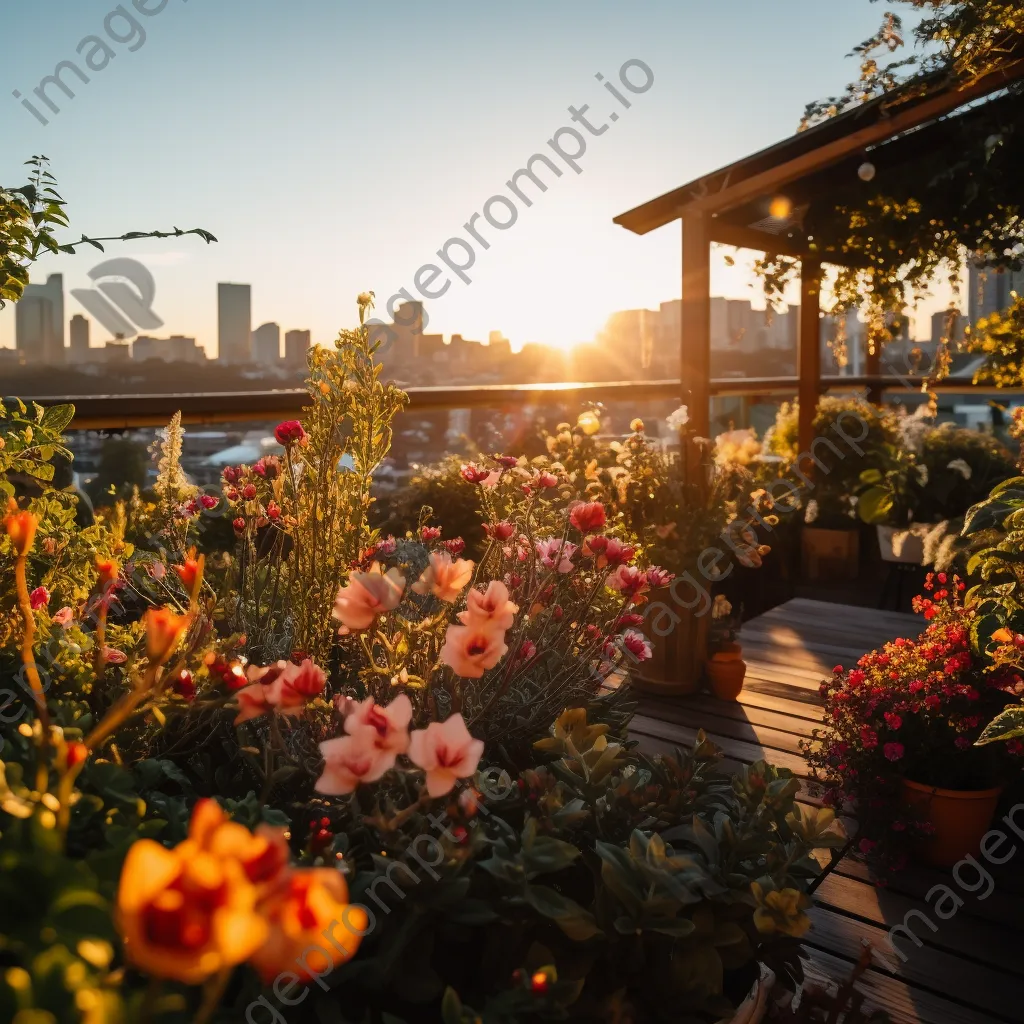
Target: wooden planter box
(830, 554)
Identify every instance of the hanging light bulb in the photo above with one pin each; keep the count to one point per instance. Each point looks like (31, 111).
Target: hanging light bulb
(780, 208)
(866, 171)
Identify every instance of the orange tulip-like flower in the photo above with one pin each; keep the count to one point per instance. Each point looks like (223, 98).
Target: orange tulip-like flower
(20, 526)
(190, 570)
(190, 912)
(492, 607)
(313, 927)
(367, 595)
(444, 578)
(163, 629)
(471, 650)
(108, 570)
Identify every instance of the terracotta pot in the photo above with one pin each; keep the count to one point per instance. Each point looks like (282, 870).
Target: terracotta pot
(830, 554)
(960, 818)
(677, 660)
(726, 670)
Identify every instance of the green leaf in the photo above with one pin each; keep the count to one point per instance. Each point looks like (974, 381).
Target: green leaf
(57, 417)
(1009, 725)
(875, 506)
(577, 923)
(451, 1007)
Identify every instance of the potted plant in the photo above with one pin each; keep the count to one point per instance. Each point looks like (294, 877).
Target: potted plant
(888, 497)
(726, 668)
(830, 476)
(694, 516)
(900, 733)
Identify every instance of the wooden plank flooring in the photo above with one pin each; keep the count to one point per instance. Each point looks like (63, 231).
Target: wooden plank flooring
(971, 969)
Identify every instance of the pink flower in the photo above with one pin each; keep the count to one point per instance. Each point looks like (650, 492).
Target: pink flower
(446, 752)
(283, 687)
(629, 580)
(39, 598)
(114, 657)
(444, 578)
(658, 577)
(588, 516)
(473, 474)
(867, 845)
(471, 650)
(637, 644)
(252, 702)
(63, 617)
(491, 480)
(389, 726)
(367, 595)
(546, 479)
(618, 553)
(527, 651)
(491, 607)
(429, 533)
(290, 432)
(350, 760)
(893, 720)
(555, 553)
(208, 501)
(500, 532)
(893, 751)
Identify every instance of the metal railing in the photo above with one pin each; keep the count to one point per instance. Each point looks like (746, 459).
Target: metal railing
(121, 412)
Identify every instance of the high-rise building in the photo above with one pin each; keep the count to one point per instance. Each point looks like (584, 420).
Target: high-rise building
(266, 345)
(39, 322)
(175, 349)
(234, 323)
(989, 290)
(296, 345)
(79, 335)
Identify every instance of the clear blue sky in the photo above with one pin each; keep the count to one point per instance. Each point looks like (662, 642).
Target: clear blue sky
(334, 146)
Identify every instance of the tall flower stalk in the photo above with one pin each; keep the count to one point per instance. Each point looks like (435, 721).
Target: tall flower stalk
(347, 434)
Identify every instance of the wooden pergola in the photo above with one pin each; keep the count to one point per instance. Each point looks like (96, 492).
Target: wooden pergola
(908, 128)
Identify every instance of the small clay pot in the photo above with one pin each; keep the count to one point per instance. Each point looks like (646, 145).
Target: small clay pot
(726, 671)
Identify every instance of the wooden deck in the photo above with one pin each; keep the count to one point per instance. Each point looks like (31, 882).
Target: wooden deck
(971, 969)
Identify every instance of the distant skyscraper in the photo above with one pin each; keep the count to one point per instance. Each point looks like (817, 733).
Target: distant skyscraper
(296, 345)
(79, 337)
(266, 345)
(234, 323)
(175, 349)
(988, 290)
(39, 322)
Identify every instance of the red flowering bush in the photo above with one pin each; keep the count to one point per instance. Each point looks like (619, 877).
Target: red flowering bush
(911, 710)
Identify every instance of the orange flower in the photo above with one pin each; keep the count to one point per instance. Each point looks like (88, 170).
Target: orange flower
(1003, 636)
(313, 927)
(163, 628)
(20, 527)
(444, 578)
(190, 912)
(471, 650)
(191, 570)
(108, 569)
(367, 595)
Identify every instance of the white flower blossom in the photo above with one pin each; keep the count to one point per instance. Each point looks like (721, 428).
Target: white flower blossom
(678, 419)
(961, 467)
(811, 512)
(922, 474)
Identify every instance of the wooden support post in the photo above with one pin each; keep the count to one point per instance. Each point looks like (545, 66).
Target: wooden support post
(809, 350)
(695, 324)
(873, 369)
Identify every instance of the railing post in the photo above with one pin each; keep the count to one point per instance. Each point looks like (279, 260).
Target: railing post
(809, 350)
(695, 323)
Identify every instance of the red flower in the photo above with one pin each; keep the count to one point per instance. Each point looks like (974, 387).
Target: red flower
(249, 492)
(473, 474)
(893, 751)
(290, 432)
(39, 598)
(588, 516)
(429, 533)
(500, 532)
(892, 720)
(184, 685)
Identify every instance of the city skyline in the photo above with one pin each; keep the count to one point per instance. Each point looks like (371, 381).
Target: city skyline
(356, 186)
